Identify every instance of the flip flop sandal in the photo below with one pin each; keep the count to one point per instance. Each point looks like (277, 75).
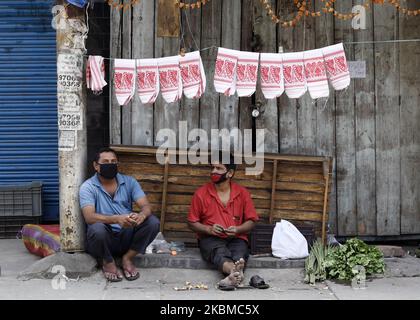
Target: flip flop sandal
(117, 279)
(258, 282)
(245, 287)
(226, 287)
(131, 277)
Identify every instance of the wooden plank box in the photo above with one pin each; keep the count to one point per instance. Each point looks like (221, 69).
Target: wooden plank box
(295, 188)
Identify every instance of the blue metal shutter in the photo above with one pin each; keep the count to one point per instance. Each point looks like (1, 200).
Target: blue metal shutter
(28, 98)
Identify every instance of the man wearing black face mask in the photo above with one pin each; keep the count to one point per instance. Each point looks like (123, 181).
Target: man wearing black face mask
(222, 214)
(113, 229)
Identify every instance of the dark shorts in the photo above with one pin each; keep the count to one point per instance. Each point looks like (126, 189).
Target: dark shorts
(217, 250)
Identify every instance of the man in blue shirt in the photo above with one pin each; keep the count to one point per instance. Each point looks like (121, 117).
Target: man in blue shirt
(113, 229)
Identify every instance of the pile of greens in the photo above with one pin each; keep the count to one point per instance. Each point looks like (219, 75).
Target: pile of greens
(315, 263)
(341, 262)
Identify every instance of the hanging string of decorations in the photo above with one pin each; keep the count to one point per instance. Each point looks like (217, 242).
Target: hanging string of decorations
(328, 8)
(118, 4)
(408, 12)
(302, 7)
(195, 5)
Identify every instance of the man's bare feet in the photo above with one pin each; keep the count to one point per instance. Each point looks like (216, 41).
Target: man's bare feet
(111, 272)
(129, 269)
(231, 280)
(239, 267)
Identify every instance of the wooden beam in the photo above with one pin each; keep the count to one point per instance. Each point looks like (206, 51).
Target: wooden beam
(164, 194)
(273, 190)
(115, 51)
(266, 156)
(327, 169)
(168, 19)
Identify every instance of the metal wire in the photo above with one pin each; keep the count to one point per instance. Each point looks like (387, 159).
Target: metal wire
(345, 43)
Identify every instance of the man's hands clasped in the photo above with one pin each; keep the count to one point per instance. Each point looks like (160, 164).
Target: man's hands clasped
(218, 230)
(131, 220)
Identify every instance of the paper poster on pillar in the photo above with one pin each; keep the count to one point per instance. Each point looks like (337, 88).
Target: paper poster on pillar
(70, 121)
(69, 73)
(68, 101)
(70, 64)
(67, 140)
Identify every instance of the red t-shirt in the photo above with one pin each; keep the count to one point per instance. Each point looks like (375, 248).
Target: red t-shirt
(207, 208)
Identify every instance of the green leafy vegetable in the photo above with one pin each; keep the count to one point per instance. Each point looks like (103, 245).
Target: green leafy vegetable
(341, 262)
(315, 263)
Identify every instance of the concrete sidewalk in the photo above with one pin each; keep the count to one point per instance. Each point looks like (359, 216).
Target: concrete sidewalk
(401, 281)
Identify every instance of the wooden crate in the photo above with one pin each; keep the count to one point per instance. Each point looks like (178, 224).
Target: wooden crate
(295, 188)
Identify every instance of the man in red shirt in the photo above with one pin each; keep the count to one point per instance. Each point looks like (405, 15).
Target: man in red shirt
(222, 214)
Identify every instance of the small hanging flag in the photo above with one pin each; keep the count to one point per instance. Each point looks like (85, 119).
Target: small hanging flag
(147, 80)
(336, 64)
(192, 75)
(271, 74)
(170, 78)
(316, 76)
(225, 71)
(294, 74)
(246, 73)
(124, 70)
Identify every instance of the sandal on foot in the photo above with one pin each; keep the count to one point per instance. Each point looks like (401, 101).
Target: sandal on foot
(258, 282)
(109, 278)
(131, 277)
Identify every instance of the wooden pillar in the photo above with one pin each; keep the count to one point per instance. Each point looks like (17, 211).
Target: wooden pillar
(273, 191)
(164, 194)
(327, 172)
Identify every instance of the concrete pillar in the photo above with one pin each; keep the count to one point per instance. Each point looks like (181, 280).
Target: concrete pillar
(69, 22)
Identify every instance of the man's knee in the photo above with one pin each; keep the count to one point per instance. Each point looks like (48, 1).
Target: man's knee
(97, 231)
(152, 223)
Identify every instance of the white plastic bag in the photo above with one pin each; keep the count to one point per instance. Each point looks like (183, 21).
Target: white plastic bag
(288, 242)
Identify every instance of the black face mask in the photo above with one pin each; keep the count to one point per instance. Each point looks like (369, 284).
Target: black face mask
(108, 170)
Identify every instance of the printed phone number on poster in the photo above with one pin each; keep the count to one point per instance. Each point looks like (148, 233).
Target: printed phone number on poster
(70, 121)
(69, 81)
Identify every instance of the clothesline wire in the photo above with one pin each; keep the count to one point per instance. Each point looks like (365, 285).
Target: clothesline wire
(345, 43)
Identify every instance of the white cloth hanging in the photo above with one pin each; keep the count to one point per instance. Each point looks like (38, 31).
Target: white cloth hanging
(124, 70)
(294, 74)
(147, 80)
(170, 79)
(192, 75)
(271, 75)
(95, 74)
(246, 73)
(225, 71)
(336, 65)
(316, 76)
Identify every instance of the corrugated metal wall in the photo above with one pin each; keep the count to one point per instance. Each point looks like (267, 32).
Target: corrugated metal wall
(28, 100)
